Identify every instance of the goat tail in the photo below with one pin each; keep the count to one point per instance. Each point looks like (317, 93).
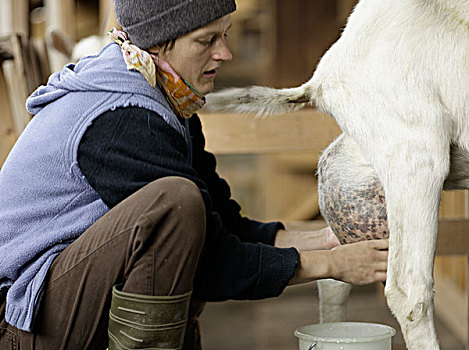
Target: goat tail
(260, 100)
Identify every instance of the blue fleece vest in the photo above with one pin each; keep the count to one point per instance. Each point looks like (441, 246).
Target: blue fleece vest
(45, 201)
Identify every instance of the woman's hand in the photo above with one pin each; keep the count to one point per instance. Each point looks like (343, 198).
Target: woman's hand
(357, 263)
(307, 240)
(361, 263)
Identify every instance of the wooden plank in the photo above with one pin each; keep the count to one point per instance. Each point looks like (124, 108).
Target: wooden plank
(344, 8)
(6, 20)
(453, 237)
(306, 225)
(453, 204)
(305, 30)
(37, 41)
(14, 17)
(107, 17)
(451, 306)
(467, 303)
(450, 270)
(287, 195)
(60, 15)
(7, 133)
(16, 79)
(301, 131)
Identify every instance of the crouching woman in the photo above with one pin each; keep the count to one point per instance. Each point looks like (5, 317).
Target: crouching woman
(114, 225)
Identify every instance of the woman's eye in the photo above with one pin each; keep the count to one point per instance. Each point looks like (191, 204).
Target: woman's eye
(208, 42)
(212, 40)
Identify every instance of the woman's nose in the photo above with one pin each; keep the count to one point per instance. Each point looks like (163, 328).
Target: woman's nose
(222, 52)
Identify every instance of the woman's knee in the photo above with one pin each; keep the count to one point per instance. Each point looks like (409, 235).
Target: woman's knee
(183, 199)
(183, 194)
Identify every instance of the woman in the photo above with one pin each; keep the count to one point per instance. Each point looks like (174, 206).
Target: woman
(112, 214)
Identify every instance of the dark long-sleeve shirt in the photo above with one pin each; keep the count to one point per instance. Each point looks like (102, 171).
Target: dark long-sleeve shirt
(125, 149)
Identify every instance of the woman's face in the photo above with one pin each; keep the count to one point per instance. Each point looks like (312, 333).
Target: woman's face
(198, 55)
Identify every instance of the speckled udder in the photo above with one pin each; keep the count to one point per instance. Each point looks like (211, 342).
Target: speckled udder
(355, 214)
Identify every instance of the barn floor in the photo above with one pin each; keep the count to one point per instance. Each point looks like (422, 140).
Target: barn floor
(269, 324)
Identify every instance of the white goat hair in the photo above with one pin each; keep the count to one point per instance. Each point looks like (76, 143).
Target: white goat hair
(74, 51)
(258, 99)
(90, 45)
(397, 83)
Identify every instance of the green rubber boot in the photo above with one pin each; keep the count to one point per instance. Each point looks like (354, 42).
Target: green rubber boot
(147, 322)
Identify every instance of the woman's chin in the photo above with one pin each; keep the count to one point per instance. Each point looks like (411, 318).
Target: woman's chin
(206, 88)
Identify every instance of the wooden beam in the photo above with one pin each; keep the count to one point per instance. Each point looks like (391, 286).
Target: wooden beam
(453, 234)
(305, 130)
(453, 237)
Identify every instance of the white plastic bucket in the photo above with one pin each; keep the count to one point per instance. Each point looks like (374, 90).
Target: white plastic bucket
(345, 336)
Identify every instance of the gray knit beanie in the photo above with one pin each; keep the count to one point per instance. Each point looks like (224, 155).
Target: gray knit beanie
(152, 22)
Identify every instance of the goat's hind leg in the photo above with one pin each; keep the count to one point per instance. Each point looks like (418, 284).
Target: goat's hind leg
(412, 170)
(332, 299)
(412, 175)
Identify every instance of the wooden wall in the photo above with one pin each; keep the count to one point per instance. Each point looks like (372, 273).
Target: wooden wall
(289, 38)
(451, 273)
(305, 30)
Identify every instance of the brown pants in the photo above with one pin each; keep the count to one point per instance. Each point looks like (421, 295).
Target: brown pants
(150, 242)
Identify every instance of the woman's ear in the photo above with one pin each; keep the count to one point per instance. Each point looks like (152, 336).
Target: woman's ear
(155, 50)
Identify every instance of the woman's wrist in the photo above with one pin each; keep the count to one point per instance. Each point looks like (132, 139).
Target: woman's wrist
(283, 239)
(306, 240)
(314, 265)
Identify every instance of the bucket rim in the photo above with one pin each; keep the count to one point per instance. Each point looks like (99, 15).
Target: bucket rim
(299, 333)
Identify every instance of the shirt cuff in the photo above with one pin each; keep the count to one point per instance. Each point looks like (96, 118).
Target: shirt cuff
(277, 268)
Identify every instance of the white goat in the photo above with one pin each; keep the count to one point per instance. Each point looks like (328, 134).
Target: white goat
(397, 83)
(72, 50)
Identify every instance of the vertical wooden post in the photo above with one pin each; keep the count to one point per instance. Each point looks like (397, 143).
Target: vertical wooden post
(7, 131)
(17, 81)
(466, 215)
(344, 8)
(450, 279)
(60, 15)
(467, 301)
(14, 17)
(305, 30)
(107, 18)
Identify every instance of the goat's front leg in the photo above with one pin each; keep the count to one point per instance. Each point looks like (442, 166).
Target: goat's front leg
(332, 299)
(412, 171)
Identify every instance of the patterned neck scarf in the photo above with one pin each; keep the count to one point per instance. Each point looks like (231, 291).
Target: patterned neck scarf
(184, 99)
